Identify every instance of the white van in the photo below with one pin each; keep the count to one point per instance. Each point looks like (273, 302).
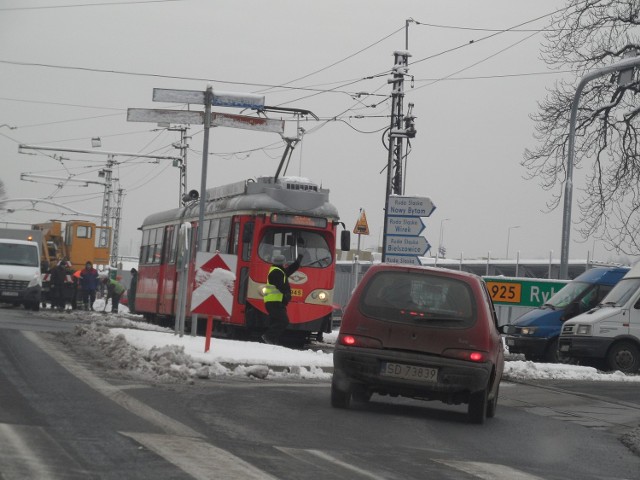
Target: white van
(610, 331)
(20, 281)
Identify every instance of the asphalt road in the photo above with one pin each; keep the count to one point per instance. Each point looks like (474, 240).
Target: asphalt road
(67, 413)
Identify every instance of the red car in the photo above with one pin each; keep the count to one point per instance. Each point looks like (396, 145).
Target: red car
(420, 332)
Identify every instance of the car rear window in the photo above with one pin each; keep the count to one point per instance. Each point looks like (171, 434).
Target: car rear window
(419, 297)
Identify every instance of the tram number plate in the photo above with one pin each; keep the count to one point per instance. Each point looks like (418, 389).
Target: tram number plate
(409, 372)
(296, 292)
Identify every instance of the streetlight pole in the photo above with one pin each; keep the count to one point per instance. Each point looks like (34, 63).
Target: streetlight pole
(441, 236)
(508, 238)
(568, 186)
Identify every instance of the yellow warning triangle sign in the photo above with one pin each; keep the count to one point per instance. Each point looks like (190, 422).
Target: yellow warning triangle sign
(362, 227)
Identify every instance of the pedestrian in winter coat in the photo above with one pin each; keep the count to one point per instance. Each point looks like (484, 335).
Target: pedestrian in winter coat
(114, 292)
(133, 286)
(277, 296)
(57, 279)
(88, 284)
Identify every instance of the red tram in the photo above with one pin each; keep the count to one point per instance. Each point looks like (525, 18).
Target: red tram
(254, 220)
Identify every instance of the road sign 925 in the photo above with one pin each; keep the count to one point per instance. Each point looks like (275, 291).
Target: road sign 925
(505, 292)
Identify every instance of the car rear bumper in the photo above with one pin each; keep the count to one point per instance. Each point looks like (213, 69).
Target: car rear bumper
(587, 347)
(456, 379)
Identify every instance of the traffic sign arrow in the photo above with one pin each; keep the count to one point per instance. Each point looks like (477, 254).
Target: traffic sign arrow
(410, 206)
(404, 225)
(219, 98)
(405, 245)
(196, 118)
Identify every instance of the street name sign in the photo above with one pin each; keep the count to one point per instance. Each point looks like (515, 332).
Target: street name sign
(218, 99)
(404, 226)
(403, 259)
(410, 206)
(197, 118)
(406, 245)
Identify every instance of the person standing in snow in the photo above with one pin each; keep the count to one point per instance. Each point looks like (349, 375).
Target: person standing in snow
(114, 292)
(88, 285)
(133, 286)
(277, 296)
(57, 281)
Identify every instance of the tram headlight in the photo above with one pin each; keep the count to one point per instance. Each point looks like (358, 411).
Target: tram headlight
(320, 295)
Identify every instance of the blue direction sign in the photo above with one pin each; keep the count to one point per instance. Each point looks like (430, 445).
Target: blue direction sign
(404, 226)
(407, 245)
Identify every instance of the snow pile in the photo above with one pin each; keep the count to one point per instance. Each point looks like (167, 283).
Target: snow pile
(164, 361)
(527, 370)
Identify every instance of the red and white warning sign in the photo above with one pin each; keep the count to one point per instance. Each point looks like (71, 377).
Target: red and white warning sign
(213, 284)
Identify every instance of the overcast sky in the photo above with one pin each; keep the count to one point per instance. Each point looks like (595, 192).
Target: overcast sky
(57, 65)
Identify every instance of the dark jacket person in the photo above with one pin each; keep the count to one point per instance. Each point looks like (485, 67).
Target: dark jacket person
(277, 296)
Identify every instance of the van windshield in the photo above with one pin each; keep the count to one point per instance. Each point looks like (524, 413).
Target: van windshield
(568, 294)
(621, 293)
(18, 254)
(419, 298)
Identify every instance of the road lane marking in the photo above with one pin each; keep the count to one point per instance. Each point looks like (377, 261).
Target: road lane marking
(489, 471)
(303, 454)
(181, 445)
(198, 458)
(114, 393)
(29, 452)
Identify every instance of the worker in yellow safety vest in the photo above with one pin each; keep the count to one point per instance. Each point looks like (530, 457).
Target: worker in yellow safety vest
(277, 296)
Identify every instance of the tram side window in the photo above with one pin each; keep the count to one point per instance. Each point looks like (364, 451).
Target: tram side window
(235, 236)
(247, 241)
(166, 255)
(223, 234)
(212, 236)
(173, 251)
(151, 248)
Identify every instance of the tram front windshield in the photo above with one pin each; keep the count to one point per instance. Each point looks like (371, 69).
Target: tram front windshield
(291, 242)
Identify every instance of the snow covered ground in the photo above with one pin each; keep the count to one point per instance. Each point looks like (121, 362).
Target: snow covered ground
(154, 351)
(230, 357)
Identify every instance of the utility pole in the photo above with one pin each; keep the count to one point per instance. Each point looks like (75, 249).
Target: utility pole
(398, 130)
(116, 228)
(183, 147)
(106, 202)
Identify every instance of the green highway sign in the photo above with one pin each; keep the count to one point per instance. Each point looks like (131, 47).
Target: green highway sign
(521, 292)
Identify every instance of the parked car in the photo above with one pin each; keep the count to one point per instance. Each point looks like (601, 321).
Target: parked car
(610, 333)
(419, 332)
(535, 334)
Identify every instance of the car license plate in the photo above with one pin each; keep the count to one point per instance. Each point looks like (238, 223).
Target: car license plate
(510, 342)
(9, 294)
(564, 348)
(409, 372)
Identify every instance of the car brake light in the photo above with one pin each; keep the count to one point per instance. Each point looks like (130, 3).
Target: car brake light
(469, 355)
(359, 341)
(348, 340)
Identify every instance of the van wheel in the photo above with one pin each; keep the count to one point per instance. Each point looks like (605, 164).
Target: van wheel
(624, 356)
(478, 406)
(339, 398)
(492, 405)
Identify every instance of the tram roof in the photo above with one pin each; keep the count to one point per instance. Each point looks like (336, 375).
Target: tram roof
(295, 195)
